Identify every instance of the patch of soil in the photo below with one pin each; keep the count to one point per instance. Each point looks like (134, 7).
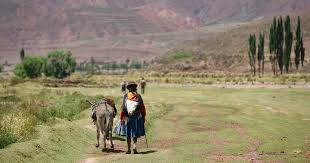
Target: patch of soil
(238, 128)
(175, 119)
(166, 143)
(197, 127)
(220, 142)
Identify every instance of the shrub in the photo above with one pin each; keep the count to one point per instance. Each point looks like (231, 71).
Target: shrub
(31, 67)
(20, 71)
(59, 64)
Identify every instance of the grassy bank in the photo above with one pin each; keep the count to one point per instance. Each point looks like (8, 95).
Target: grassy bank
(24, 106)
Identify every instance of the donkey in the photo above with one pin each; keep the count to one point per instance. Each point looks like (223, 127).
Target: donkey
(104, 121)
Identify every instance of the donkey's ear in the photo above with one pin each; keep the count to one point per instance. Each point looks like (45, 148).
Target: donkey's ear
(89, 102)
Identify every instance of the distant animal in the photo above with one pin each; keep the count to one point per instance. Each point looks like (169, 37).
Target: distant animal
(104, 113)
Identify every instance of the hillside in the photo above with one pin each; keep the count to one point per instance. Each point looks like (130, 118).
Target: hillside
(99, 27)
(225, 50)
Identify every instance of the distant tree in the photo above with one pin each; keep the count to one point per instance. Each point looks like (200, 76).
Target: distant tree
(135, 64)
(31, 66)
(92, 61)
(297, 47)
(127, 62)
(302, 52)
(124, 66)
(260, 53)
(288, 43)
(145, 64)
(252, 53)
(273, 45)
(91, 66)
(114, 65)
(59, 64)
(279, 45)
(22, 54)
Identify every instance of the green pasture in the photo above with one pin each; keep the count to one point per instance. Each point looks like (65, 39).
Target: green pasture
(185, 124)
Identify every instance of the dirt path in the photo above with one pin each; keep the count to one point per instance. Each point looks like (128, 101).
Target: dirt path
(211, 125)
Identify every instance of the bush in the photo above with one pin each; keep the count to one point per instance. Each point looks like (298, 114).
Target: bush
(31, 67)
(20, 71)
(59, 64)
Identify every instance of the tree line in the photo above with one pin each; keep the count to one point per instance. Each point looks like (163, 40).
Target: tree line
(58, 64)
(90, 66)
(280, 46)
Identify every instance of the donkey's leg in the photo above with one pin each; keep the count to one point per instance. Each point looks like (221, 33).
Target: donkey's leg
(101, 123)
(104, 140)
(110, 135)
(98, 135)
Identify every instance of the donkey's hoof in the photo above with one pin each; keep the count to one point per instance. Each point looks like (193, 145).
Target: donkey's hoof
(112, 146)
(97, 145)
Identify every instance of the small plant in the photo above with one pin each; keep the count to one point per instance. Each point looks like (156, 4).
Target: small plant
(6, 138)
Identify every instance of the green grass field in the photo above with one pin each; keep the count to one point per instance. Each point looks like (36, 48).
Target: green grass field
(185, 124)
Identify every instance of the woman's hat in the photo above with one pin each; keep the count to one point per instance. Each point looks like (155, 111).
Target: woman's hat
(131, 84)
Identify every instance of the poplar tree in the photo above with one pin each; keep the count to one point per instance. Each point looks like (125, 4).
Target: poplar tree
(273, 45)
(252, 52)
(280, 40)
(302, 52)
(22, 54)
(260, 53)
(297, 47)
(288, 43)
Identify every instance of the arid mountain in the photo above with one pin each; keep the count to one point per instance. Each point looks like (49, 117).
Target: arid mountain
(99, 27)
(226, 49)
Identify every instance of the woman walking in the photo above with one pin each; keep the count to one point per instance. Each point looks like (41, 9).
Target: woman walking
(133, 110)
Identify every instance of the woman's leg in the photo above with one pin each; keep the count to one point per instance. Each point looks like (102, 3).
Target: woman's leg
(135, 145)
(128, 145)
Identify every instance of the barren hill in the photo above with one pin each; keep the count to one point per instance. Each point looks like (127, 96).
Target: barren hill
(226, 49)
(118, 29)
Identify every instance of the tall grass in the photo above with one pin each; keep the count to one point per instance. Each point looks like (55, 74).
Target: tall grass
(21, 112)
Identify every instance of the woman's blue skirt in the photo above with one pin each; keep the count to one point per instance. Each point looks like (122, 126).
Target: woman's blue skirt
(133, 129)
(135, 126)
